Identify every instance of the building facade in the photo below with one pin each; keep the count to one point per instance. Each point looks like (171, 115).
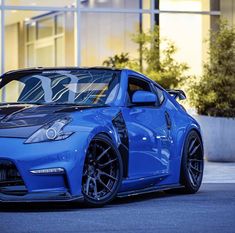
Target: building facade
(86, 32)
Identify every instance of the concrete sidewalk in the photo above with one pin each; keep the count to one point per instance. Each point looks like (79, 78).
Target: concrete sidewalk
(215, 172)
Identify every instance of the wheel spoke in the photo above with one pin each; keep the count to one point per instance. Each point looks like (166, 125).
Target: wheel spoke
(195, 169)
(103, 153)
(85, 173)
(95, 187)
(192, 176)
(192, 145)
(88, 184)
(107, 163)
(195, 160)
(194, 150)
(106, 174)
(101, 182)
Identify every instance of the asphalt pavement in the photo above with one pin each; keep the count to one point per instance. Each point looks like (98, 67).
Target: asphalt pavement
(212, 209)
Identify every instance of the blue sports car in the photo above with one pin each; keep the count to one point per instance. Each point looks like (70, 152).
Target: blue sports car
(92, 134)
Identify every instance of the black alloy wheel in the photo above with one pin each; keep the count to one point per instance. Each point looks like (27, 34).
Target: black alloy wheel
(102, 173)
(192, 164)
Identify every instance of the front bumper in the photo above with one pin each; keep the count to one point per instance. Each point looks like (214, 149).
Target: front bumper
(41, 197)
(66, 154)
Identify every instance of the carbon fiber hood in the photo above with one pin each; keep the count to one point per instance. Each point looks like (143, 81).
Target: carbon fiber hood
(22, 120)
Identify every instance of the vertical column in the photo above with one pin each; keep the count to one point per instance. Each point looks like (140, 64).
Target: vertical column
(228, 10)
(69, 39)
(141, 30)
(215, 6)
(3, 47)
(152, 8)
(78, 33)
(156, 16)
(21, 47)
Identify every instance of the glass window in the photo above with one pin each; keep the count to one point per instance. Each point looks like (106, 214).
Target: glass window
(12, 46)
(126, 4)
(30, 55)
(20, 37)
(59, 24)
(45, 27)
(19, 29)
(39, 38)
(59, 50)
(44, 54)
(83, 87)
(31, 32)
(109, 34)
(51, 3)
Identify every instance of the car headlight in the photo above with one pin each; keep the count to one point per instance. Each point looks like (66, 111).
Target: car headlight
(51, 132)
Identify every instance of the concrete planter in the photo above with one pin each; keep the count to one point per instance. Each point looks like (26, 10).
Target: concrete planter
(219, 138)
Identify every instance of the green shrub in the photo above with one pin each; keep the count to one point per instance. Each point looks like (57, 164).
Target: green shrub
(159, 63)
(214, 94)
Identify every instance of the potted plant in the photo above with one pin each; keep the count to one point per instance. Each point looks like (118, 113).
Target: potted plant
(214, 96)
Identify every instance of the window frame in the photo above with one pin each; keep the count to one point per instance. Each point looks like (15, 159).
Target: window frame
(155, 87)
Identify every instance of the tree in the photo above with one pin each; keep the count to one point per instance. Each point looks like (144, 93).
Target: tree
(118, 60)
(158, 64)
(214, 94)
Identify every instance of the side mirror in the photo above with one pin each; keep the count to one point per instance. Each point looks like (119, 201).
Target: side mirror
(144, 98)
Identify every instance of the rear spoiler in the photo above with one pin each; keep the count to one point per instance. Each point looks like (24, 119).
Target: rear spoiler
(177, 94)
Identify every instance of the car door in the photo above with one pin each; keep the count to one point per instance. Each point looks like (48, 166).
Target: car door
(148, 132)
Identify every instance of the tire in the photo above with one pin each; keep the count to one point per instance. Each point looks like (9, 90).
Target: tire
(192, 163)
(102, 172)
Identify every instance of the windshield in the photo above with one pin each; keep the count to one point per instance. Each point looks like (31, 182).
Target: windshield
(80, 87)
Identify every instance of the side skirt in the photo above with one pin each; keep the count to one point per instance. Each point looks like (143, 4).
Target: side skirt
(149, 190)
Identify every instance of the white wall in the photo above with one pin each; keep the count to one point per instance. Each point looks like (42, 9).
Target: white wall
(11, 47)
(219, 136)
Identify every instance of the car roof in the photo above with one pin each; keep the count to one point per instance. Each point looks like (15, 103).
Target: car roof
(37, 69)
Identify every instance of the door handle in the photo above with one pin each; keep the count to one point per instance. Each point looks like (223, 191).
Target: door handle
(168, 120)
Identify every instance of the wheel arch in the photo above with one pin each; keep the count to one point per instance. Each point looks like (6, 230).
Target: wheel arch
(113, 134)
(190, 128)
(120, 149)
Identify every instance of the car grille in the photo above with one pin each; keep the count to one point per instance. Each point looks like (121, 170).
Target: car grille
(11, 181)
